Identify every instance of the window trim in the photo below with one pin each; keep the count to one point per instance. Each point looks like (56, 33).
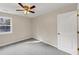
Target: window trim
(7, 25)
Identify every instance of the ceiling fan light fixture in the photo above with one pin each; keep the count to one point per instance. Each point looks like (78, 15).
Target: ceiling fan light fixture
(26, 8)
(26, 12)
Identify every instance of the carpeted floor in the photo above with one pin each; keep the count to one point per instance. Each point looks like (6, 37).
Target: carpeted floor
(30, 47)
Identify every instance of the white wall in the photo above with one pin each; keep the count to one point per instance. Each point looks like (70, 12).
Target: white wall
(45, 29)
(21, 29)
(45, 26)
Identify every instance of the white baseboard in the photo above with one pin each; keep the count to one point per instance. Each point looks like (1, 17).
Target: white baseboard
(19, 39)
(45, 42)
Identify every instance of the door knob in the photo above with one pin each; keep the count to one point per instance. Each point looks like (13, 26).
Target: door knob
(58, 33)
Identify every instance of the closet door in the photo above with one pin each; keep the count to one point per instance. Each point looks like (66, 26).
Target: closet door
(67, 32)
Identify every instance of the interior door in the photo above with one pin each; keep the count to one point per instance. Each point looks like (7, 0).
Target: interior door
(67, 32)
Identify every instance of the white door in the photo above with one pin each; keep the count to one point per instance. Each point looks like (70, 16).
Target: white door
(67, 32)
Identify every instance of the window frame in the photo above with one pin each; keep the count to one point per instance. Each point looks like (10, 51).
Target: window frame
(5, 32)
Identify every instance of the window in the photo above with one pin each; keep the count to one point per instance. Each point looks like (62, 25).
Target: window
(5, 25)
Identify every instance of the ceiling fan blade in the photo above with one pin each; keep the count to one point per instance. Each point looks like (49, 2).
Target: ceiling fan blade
(32, 7)
(32, 11)
(19, 10)
(21, 5)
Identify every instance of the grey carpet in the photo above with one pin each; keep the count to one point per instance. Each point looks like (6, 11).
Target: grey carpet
(28, 47)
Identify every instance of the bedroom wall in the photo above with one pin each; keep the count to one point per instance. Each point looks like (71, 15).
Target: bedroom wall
(45, 26)
(21, 27)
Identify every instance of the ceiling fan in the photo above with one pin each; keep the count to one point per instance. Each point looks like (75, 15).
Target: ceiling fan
(26, 8)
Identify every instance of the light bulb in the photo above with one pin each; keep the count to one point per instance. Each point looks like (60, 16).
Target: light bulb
(28, 12)
(25, 12)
